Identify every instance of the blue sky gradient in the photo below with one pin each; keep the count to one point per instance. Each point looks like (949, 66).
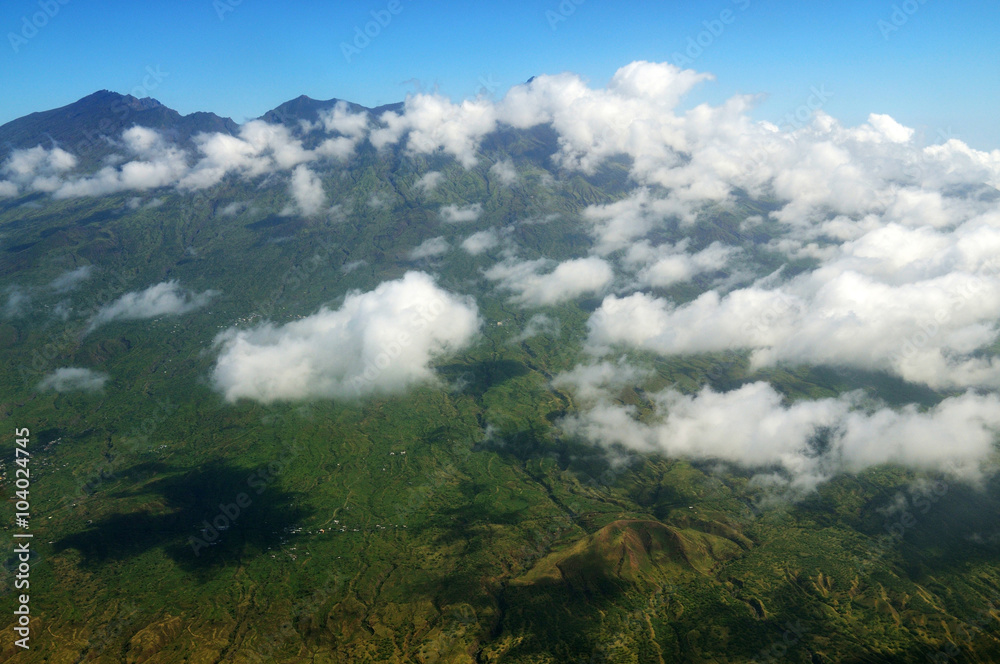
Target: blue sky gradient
(932, 65)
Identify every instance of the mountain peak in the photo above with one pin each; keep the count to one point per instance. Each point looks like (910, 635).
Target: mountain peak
(110, 97)
(80, 126)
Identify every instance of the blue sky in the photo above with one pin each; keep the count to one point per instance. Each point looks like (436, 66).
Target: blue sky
(932, 65)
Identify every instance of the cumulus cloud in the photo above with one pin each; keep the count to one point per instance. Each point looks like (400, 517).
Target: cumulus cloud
(917, 302)
(353, 265)
(430, 248)
(17, 302)
(233, 209)
(350, 127)
(504, 171)
(695, 158)
(307, 190)
(539, 325)
(459, 214)
(430, 123)
(381, 341)
(615, 225)
(429, 181)
(70, 279)
(705, 154)
(569, 279)
(155, 163)
(810, 441)
(36, 168)
(668, 264)
(164, 299)
(632, 116)
(482, 241)
(66, 379)
(259, 148)
(596, 383)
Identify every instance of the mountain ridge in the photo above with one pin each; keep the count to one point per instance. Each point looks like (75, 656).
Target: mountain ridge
(84, 126)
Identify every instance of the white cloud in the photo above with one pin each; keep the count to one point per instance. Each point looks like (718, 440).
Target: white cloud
(704, 154)
(918, 302)
(307, 190)
(70, 279)
(164, 299)
(539, 325)
(504, 171)
(350, 127)
(569, 279)
(341, 120)
(66, 379)
(233, 209)
(889, 128)
(701, 156)
(379, 200)
(17, 302)
(632, 116)
(37, 169)
(616, 225)
(429, 181)
(157, 163)
(458, 214)
(382, 341)
(594, 383)
(668, 264)
(432, 123)
(8, 188)
(482, 241)
(430, 248)
(259, 148)
(353, 265)
(752, 426)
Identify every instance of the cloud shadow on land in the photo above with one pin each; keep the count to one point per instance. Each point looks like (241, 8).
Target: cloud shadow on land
(937, 527)
(478, 377)
(178, 507)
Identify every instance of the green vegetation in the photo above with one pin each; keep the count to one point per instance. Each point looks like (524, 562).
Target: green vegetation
(494, 537)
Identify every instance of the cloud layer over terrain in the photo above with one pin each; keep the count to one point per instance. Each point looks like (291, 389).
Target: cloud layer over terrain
(809, 440)
(807, 244)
